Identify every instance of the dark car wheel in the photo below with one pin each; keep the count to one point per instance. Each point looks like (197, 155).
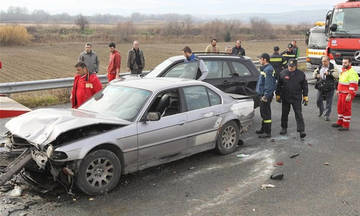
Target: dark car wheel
(228, 138)
(99, 172)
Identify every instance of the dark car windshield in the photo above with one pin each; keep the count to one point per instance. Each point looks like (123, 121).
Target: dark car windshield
(120, 101)
(347, 20)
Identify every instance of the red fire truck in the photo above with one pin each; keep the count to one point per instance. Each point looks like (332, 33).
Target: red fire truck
(343, 31)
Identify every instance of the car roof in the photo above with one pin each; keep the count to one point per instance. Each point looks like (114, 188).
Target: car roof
(181, 57)
(157, 84)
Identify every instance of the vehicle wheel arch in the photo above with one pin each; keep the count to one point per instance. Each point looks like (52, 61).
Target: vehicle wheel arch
(113, 148)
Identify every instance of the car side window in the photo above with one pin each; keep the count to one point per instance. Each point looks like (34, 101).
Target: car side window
(167, 103)
(196, 97)
(226, 70)
(241, 69)
(186, 70)
(214, 68)
(214, 98)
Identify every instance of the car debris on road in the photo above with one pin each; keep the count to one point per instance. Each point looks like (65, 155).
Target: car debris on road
(266, 186)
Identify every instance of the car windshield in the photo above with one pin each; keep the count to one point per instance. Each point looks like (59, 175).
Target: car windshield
(119, 101)
(347, 20)
(317, 40)
(159, 68)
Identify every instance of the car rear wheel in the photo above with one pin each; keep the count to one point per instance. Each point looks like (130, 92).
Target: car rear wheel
(228, 138)
(99, 172)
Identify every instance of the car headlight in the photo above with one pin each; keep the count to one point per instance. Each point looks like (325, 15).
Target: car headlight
(59, 155)
(49, 151)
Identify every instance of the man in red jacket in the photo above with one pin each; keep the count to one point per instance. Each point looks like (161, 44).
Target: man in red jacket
(85, 85)
(114, 63)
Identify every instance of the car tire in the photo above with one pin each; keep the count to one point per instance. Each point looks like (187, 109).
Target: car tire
(99, 172)
(228, 138)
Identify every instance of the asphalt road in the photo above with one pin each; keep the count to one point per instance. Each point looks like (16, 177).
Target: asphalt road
(209, 184)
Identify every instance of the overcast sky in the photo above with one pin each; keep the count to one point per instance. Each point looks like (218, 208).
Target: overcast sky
(193, 7)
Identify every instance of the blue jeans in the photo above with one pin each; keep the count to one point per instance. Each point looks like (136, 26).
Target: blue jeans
(328, 96)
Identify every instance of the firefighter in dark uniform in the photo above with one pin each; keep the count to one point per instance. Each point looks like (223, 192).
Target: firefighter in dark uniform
(288, 54)
(292, 89)
(265, 88)
(276, 60)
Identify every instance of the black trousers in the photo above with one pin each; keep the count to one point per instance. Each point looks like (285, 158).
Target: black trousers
(265, 112)
(298, 115)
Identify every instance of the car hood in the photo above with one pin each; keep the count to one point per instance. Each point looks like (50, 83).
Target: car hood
(42, 126)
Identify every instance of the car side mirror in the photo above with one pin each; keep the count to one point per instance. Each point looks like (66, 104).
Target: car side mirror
(153, 116)
(333, 27)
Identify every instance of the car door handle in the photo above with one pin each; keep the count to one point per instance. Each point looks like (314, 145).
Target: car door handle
(208, 115)
(226, 82)
(180, 123)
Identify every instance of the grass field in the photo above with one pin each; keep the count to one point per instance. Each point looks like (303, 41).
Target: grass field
(56, 60)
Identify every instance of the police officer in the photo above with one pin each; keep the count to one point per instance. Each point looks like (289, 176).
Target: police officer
(265, 88)
(276, 60)
(288, 54)
(292, 88)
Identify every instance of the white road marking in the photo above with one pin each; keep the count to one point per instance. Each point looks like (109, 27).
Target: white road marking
(260, 173)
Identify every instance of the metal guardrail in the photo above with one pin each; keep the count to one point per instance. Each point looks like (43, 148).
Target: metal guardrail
(36, 85)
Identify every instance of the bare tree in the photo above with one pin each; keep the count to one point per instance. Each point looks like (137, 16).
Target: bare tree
(261, 28)
(82, 22)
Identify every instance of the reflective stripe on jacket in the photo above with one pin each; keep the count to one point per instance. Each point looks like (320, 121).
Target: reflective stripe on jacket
(348, 81)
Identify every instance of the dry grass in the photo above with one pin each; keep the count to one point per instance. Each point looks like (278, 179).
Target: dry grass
(56, 60)
(14, 35)
(43, 98)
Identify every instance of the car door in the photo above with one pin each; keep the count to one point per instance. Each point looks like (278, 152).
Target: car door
(187, 70)
(163, 140)
(203, 116)
(220, 74)
(243, 76)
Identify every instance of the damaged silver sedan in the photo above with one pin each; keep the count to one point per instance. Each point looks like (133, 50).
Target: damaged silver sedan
(129, 126)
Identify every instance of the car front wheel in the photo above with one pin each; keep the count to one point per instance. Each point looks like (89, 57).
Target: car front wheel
(99, 172)
(228, 138)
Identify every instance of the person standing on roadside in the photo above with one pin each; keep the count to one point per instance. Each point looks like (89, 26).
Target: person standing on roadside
(135, 60)
(265, 88)
(296, 49)
(276, 60)
(201, 69)
(347, 87)
(237, 49)
(288, 54)
(292, 89)
(90, 58)
(325, 76)
(212, 48)
(114, 63)
(85, 85)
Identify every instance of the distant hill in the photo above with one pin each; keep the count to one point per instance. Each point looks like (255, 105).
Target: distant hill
(294, 17)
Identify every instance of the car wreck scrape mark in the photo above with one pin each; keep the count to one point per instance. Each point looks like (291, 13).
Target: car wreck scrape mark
(255, 156)
(258, 175)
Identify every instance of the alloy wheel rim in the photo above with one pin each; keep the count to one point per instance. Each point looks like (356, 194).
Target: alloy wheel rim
(228, 137)
(100, 172)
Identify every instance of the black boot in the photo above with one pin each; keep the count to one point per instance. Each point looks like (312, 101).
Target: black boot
(266, 135)
(302, 134)
(283, 131)
(335, 125)
(261, 131)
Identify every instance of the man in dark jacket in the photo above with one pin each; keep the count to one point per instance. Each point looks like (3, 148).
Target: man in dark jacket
(276, 60)
(90, 58)
(237, 49)
(288, 54)
(326, 76)
(136, 60)
(265, 88)
(292, 88)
